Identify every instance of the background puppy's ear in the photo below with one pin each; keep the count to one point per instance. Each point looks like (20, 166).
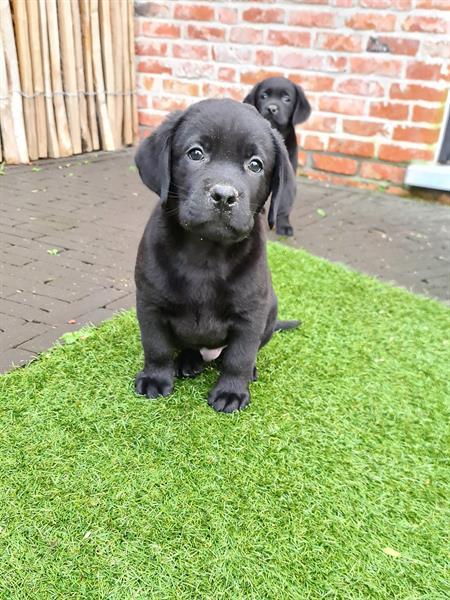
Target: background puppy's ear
(302, 108)
(250, 98)
(153, 157)
(283, 187)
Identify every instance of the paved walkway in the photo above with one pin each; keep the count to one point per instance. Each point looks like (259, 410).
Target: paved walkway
(69, 233)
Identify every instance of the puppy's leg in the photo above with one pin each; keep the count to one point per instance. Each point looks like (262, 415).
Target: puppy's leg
(283, 226)
(231, 392)
(156, 379)
(190, 363)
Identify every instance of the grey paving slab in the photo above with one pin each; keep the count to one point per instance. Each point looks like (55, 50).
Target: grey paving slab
(69, 236)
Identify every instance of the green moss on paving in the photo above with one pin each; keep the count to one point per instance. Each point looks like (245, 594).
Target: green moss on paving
(332, 484)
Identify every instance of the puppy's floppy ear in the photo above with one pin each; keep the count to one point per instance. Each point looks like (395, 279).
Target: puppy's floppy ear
(153, 157)
(250, 98)
(302, 108)
(283, 187)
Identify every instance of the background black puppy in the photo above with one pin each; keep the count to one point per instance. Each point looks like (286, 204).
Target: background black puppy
(203, 284)
(284, 105)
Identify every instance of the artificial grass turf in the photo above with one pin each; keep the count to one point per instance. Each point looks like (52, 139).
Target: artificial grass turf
(337, 465)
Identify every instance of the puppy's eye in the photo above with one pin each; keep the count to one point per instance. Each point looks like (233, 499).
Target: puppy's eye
(286, 99)
(196, 153)
(255, 165)
(263, 96)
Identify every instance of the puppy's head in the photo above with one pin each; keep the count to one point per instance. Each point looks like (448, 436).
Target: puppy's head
(280, 101)
(214, 166)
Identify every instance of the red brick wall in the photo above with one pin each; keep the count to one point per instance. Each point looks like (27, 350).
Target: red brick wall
(373, 112)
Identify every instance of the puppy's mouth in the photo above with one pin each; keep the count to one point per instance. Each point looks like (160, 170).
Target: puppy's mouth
(224, 233)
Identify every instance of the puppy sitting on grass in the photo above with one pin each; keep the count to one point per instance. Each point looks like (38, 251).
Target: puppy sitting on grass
(202, 279)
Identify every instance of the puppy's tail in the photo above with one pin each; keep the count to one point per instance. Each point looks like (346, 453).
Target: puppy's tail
(282, 325)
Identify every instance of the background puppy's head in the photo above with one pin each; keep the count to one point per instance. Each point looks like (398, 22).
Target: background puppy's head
(214, 166)
(279, 101)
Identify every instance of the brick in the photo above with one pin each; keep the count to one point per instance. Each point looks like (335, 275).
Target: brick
(145, 81)
(246, 35)
(149, 65)
(149, 119)
(396, 4)
(194, 12)
(417, 92)
(337, 104)
(342, 3)
(397, 153)
(205, 33)
(426, 71)
(14, 358)
(363, 128)
(151, 9)
(376, 170)
(264, 58)
(335, 164)
(124, 303)
(142, 101)
(169, 104)
(376, 21)
(339, 43)
(361, 87)
(263, 15)
(320, 123)
(195, 51)
(353, 147)
(296, 59)
(428, 115)
(426, 24)
(313, 83)
(227, 74)
(212, 90)
(436, 49)
(307, 18)
(252, 77)
(417, 135)
(156, 29)
(185, 88)
(437, 4)
(231, 54)
(398, 45)
(302, 158)
(313, 142)
(151, 48)
(191, 70)
(389, 110)
(227, 15)
(286, 37)
(372, 65)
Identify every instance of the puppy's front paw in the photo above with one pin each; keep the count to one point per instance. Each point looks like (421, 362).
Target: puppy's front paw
(153, 385)
(190, 363)
(229, 396)
(285, 230)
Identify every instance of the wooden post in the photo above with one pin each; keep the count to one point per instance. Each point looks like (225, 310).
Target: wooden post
(38, 75)
(127, 116)
(88, 74)
(105, 125)
(69, 72)
(6, 120)
(65, 143)
(107, 55)
(116, 28)
(132, 67)
(14, 145)
(52, 134)
(26, 75)
(85, 133)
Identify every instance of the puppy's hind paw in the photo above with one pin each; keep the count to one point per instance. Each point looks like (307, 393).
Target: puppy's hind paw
(228, 399)
(152, 386)
(189, 363)
(285, 230)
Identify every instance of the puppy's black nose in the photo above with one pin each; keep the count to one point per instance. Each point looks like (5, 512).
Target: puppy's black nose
(224, 195)
(272, 108)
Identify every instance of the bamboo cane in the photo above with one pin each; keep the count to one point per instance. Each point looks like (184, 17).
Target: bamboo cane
(132, 68)
(11, 151)
(85, 133)
(69, 72)
(127, 116)
(116, 29)
(26, 75)
(38, 76)
(107, 55)
(52, 134)
(13, 89)
(105, 125)
(65, 143)
(88, 74)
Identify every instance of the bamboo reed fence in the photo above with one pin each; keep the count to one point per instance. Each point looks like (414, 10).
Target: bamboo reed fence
(67, 78)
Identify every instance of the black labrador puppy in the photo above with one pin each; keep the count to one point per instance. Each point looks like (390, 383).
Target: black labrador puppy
(203, 284)
(284, 105)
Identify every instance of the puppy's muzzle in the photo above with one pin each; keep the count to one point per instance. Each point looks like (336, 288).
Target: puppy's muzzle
(223, 196)
(273, 109)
